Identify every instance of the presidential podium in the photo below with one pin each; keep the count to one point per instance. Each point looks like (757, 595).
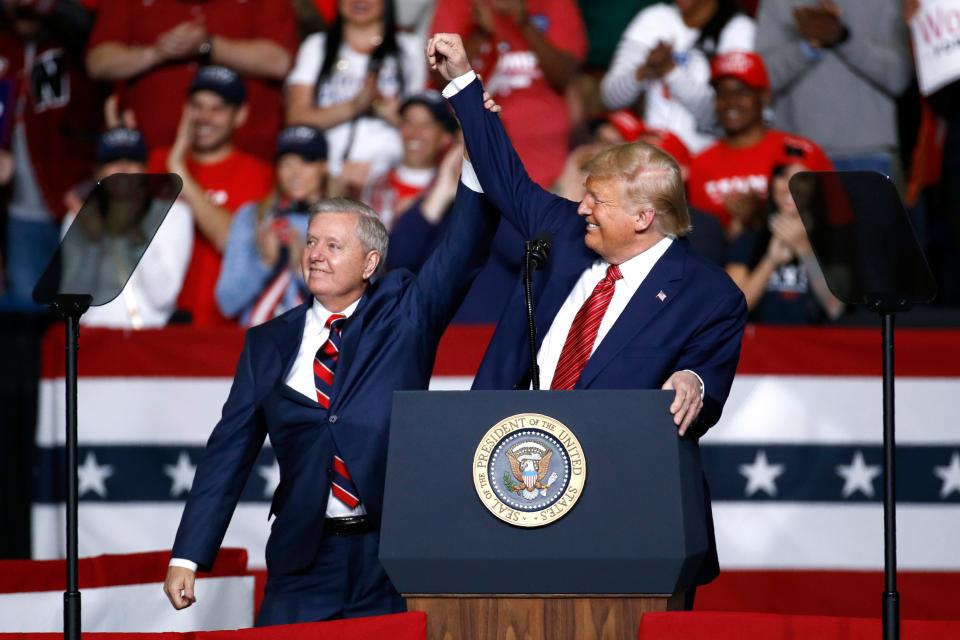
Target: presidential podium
(540, 514)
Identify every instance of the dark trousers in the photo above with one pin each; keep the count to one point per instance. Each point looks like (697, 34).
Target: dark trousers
(345, 581)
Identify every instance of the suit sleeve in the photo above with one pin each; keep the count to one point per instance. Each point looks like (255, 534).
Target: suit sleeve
(223, 469)
(413, 238)
(713, 353)
(521, 201)
(463, 249)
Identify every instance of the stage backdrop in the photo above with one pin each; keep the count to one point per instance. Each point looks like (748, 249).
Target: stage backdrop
(794, 465)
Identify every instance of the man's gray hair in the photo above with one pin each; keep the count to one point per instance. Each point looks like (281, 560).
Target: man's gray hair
(370, 230)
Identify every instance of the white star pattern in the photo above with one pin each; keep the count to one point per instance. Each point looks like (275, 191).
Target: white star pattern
(92, 476)
(858, 476)
(950, 475)
(761, 475)
(180, 474)
(271, 477)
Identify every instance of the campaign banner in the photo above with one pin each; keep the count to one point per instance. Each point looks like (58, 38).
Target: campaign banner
(794, 465)
(935, 28)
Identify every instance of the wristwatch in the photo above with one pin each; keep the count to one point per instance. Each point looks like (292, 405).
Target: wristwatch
(205, 48)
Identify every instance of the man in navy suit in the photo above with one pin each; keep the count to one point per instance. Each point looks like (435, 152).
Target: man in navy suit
(625, 302)
(319, 381)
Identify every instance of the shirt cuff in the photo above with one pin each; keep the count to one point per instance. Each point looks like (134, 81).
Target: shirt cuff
(182, 562)
(703, 387)
(459, 83)
(469, 177)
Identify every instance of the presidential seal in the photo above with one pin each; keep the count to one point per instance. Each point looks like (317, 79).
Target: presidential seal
(529, 470)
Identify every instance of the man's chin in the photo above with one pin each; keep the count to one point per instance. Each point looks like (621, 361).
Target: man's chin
(591, 242)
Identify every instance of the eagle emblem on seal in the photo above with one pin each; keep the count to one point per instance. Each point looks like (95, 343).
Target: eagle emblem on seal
(529, 464)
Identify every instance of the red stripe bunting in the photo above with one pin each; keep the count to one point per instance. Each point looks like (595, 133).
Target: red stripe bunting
(212, 353)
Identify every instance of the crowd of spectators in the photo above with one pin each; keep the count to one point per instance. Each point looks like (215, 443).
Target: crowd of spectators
(262, 107)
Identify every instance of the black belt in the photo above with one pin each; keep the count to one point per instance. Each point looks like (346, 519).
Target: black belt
(350, 526)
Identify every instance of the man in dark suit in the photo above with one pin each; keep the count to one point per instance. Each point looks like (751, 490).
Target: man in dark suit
(319, 381)
(624, 302)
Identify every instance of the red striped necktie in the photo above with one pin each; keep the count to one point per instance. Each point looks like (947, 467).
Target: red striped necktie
(324, 365)
(583, 332)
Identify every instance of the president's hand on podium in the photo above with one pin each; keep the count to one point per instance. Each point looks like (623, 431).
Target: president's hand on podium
(447, 55)
(179, 587)
(688, 400)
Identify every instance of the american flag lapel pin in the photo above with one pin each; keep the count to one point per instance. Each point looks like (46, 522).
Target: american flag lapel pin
(661, 296)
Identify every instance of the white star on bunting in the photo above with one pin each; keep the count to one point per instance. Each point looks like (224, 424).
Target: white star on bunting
(858, 476)
(92, 476)
(180, 474)
(950, 474)
(761, 475)
(271, 478)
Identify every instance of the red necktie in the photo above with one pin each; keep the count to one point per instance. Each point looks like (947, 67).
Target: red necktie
(324, 365)
(583, 332)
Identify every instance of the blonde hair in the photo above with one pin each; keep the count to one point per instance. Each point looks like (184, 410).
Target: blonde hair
(650, 178)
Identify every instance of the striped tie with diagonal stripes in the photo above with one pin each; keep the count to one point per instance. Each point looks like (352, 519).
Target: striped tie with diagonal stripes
(324, 365)
(583, 332)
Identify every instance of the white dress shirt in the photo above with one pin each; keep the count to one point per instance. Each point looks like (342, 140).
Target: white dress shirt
(634, 271)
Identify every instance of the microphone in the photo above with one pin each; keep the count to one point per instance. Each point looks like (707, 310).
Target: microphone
(539, 249)
(535, 252)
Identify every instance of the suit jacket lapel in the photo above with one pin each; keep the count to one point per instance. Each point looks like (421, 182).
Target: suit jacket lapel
(289, 335)
(667, 277)
(349, 343)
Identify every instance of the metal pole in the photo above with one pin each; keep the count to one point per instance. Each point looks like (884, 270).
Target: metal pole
(71, 598)
(531, 324)
(891, 599)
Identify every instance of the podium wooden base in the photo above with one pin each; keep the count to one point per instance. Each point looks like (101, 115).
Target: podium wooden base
(537, 617)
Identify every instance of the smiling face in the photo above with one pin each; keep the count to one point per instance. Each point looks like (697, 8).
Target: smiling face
(300, 179)
(336, 266)
(214, 120)
(423, 137)
(739, 107)
(612, 223)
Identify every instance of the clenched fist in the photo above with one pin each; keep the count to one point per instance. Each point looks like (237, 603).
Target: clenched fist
(447, 55)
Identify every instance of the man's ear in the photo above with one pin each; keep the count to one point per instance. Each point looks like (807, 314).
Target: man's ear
(371, 263)
(645, 218)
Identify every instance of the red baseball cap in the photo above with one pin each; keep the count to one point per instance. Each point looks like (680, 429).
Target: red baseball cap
(745, 66)
(627, 124)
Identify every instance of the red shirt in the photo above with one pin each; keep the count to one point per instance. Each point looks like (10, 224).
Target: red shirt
(61, 110)
(156, 95)
(236, 180)
(720, 169)
(535, 115)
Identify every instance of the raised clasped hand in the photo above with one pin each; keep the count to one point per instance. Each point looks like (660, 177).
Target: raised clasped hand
(447, 55)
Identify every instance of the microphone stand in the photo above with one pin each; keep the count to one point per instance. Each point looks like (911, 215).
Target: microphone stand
(528, 267)
(535, 254)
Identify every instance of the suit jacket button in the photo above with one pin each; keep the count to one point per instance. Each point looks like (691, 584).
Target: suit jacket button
(332, 418)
